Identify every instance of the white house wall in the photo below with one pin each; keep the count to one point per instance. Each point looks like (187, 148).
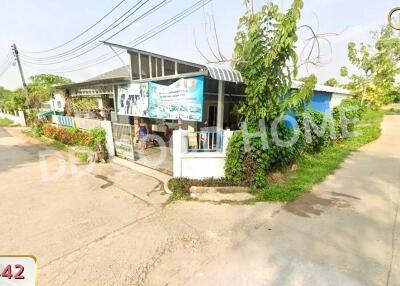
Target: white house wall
(336, 99)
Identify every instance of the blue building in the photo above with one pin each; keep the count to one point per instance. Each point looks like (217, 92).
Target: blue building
(325, 98)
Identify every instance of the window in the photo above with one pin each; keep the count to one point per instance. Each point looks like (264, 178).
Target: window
(145, 66)
(153, 67)
(169, 67)
(135, 65)
(182, 68)
(159, 67)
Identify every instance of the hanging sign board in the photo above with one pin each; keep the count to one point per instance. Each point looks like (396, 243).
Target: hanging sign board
(133, 99)
(181, 100)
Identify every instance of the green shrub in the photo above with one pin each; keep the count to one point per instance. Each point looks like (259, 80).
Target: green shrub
(37, 128)
(82, 156)
(98, 137)
(73, 136)
(180, 187)
(250, 167)
(319, 136)
(352, 109)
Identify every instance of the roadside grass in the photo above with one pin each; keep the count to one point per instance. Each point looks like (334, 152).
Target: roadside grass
(4, 122)
(314, 168)
(392, 111)
(311, 168)
(82, 156)
(180, 187)
(50, 142)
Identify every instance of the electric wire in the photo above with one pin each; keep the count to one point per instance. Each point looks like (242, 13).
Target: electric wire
(109, 28)
(144, 37)
(80, 34)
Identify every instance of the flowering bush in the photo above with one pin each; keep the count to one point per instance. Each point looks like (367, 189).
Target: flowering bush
(69, 135)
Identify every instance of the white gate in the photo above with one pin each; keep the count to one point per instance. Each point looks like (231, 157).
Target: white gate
(123, 135)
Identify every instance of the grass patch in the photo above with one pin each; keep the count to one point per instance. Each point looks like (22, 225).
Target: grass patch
(313, 168)
(392, 111)
(180, 187)
(47, 141)
(4, 122)
(82, 156)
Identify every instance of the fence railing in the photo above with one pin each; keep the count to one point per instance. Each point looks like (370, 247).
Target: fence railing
(205, 141)
(66, 121)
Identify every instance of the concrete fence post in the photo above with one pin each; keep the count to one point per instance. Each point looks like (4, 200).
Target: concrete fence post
(109, 137)
(22, 120)
(227, 136)
(180, 146)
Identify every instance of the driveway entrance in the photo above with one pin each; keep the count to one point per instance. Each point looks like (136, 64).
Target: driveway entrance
(157, 156)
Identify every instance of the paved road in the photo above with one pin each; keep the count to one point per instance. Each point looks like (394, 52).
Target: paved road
(105, 226)
(53, 208)
(345, 232)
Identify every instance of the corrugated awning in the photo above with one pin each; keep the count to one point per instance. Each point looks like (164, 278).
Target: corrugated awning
(225, 74)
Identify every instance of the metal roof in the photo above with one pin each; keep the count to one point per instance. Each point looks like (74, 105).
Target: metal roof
(323, 88)
(217, 72)
(224, 73)
(121, 72)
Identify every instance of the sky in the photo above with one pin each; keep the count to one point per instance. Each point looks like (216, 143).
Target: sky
(40, 25)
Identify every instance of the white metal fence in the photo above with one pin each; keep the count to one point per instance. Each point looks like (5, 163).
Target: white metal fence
(17, 117)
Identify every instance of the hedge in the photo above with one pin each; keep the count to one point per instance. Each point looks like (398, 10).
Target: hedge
(73, 136)
(252, 166)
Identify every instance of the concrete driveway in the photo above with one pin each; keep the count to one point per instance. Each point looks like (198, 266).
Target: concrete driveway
(345, 232)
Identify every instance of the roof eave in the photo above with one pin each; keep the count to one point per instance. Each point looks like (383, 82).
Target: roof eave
(94, 83)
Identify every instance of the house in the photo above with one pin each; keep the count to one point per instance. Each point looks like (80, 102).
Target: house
(172, 94)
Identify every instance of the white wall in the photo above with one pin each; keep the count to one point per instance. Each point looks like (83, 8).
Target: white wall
(109, 137)
(17, 117)
(203, 165)
(56, 104)
(86, 124)
(197, 165)
(337, 98)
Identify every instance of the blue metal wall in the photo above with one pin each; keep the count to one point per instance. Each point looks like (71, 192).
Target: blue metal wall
(320, 101)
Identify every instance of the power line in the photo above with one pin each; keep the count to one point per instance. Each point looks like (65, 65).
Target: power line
(80, 34)
(144, 37)
(109, 28)
(7, 63)
(6, 59)
(147, 13)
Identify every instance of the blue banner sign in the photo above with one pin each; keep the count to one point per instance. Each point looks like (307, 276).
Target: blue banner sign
(181, 100)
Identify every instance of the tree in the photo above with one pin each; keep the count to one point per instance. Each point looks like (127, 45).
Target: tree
(332, 82)
(4, 96)
(266, 57)
(378, 67)
(305, 78)
(11, 100)
(41, 88)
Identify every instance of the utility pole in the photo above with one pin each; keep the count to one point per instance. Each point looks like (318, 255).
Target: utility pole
(21, 72)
